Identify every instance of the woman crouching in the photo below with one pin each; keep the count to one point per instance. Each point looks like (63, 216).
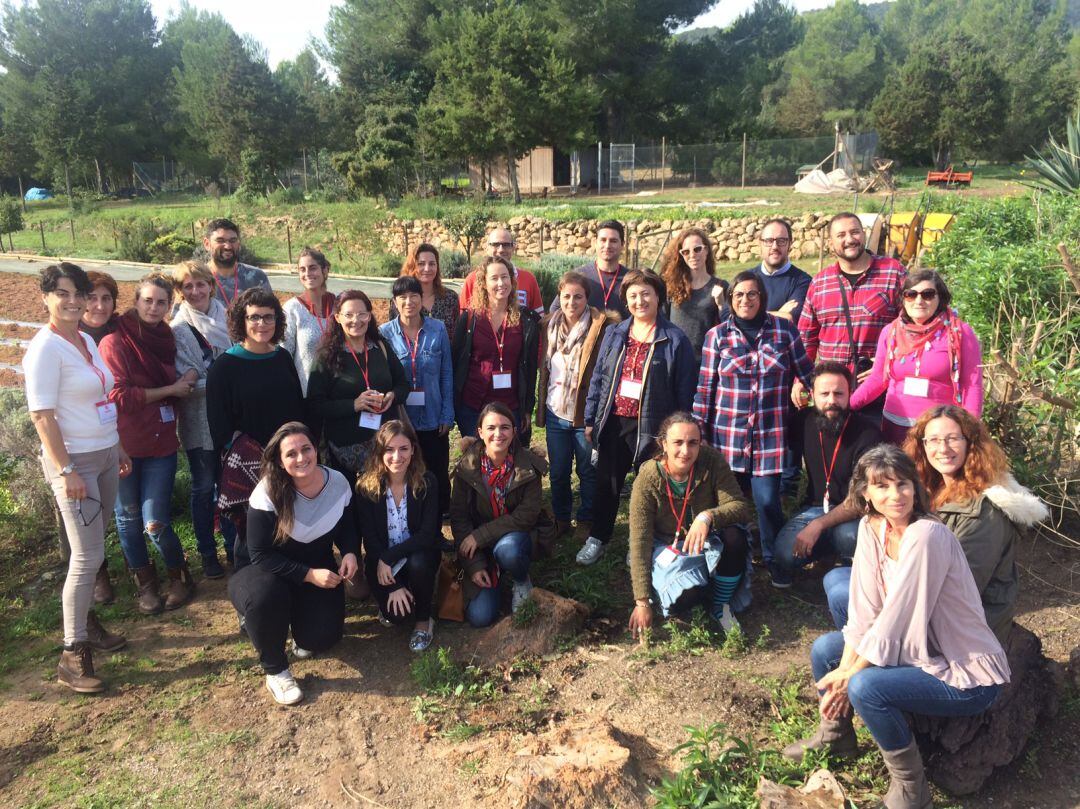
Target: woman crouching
(916, 639)
(298, 512)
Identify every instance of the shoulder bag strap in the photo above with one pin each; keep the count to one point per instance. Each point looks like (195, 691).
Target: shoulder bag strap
(847, 319)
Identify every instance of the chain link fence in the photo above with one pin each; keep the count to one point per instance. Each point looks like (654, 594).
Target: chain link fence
(309, 171)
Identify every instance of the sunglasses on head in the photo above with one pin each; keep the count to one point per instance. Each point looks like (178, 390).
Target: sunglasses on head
(925, 294)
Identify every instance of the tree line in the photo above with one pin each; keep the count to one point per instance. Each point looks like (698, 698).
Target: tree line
(91, 85)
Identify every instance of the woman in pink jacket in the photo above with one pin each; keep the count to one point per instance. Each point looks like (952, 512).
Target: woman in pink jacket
(926, 357)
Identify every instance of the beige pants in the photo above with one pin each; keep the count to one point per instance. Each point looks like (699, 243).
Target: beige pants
(85, 521)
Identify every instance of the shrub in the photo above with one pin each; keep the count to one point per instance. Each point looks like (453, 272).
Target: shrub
(170, 248)
(24, 495)
(381, 265)
(287, 196)
(84, 202)
(11, 218)
(453, 264)
(133, 239)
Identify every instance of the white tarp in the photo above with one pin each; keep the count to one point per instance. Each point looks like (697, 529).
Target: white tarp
(818, 182)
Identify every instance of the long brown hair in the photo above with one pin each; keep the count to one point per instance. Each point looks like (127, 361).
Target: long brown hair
(888, 462)
(279, 484)
(676, 272)
(984, 466)
(412, 266)
(332, 344)
(481, 303)
(372, 482)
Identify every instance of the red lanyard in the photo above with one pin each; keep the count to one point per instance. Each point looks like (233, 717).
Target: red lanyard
(644, 346)
(86, 355)
(361, 365)
(681, 513)
(324, 322)
(500, 338)
(607, 292)
(414, 347)
(835, 452)
(224, 294)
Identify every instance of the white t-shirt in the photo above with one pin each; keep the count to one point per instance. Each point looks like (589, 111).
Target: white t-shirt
(58, 378)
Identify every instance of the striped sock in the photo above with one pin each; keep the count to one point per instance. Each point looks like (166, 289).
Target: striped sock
(722, 589)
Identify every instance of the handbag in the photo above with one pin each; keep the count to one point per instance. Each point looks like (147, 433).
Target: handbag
(239, 473)
(450, 591)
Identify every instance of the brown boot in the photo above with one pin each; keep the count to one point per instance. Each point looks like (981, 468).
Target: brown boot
(149, 599)
(181, 587)
(100, 638)
(835, 735)
(908, 788)
(103, 589)
(76, 670)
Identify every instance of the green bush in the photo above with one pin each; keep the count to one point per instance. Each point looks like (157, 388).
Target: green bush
(133, 239)
(11, 217)
(24, 495)
(287, 196)
(84, 202)
(381, 265)
(170, 248)
(453, 264)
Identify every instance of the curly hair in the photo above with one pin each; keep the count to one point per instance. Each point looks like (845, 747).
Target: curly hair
(262, 299)
(676, 272)
(984, 466)
(279, 484)
(412, 266)
(886, 462)
(373, 479)
(480, 301)
(332, 345)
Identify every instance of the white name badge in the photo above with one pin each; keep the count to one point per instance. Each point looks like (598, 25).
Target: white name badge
(500, 381)
(106, 412)
(415, 398)
(167, 414)
(666, 557)
(630, 389)
(916, 386)
(370, 421)
(825, 503)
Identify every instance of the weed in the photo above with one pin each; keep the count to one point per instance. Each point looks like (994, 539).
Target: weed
(735, 644)
(469, 767)
(438, 675)
(526, 614)
(462, 732)
(693, 640)
(762, 640)
(425, 709)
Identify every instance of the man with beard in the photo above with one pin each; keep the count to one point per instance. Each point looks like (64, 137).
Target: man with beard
(605, 274)
(222, 244)
(849, 303)
(833, 440)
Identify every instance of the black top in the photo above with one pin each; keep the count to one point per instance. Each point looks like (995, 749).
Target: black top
(252, 393)
(859, 436)
(425, 527)
(697, 314)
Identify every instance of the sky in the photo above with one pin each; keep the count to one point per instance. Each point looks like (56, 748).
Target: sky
(281, 29)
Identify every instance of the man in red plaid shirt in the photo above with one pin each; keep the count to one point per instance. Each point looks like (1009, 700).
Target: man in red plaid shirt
(871, 285)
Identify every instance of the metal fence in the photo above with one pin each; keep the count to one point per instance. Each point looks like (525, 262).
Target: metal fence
(309, 171)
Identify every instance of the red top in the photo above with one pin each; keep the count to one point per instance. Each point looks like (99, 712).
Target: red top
(144, 431)
(484, 364)
(633, 370)
(528, 291)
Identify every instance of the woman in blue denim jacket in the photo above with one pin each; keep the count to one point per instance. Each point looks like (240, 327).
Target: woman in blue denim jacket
(423, 347)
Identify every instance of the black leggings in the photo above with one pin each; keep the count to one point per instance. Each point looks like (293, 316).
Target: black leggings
(271, 605)
(733, 561)
(615, 447)
(435, 450)
(418, 575)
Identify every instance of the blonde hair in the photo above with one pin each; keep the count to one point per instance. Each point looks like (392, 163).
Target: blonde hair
(480, 300)
(190, 269)
(372, 481)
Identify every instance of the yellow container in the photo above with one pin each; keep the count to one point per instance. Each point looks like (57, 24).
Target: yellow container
(934, 227)
(903, 233)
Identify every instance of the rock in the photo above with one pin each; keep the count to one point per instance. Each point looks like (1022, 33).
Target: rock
(578, 765)
(556, 617)
(821, 791)
(961, 753)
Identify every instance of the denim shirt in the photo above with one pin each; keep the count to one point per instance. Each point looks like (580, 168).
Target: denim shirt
(434, 371)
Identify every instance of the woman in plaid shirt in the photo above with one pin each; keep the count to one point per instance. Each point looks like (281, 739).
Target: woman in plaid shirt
(747, 366)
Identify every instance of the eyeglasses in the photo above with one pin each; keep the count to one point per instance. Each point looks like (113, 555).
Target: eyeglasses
(946, 441)
(925, 294)
(87, 510)
(753, 295)
(687, 251)
(254, 320)
(503, 245)
(780, 242)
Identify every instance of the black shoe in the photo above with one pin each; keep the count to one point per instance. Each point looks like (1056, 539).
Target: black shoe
(212, 568)
(780, 578)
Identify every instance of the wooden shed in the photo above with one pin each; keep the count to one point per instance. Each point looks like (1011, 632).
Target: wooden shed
(543, 167)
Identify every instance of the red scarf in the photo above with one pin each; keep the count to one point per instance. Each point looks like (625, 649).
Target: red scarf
(498, 481)
(907, 338)
(152, 347)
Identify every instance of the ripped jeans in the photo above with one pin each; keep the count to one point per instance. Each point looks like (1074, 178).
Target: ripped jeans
(144, 503)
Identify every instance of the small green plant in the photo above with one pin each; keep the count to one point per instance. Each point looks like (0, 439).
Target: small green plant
(11, 217)
(527, 614)
(735, 644)
(438, 675)
(133, 239)
(462, 731)
(762, 640)
(468, 225)
(693, 640)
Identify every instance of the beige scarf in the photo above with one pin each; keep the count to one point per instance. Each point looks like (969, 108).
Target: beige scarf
(569, 342)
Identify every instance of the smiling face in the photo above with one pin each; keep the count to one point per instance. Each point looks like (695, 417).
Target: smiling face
(693, 252)
(298, 457)
(642, 302)
(918, 306)
(259, 324)
(65, 304)
(501, 243)
(681, 447)
(609, 245)
(100, 306)
(223, 246)
(891, 497)
(572, 301)
(196, 293)
(497, 282)
(312, 274)
(427, 268)
(497, 433)
(847, 238)
(152, 304)
(398, 455)
(353, 317)
(775, 246)
(408, 304)
(945, 446)
(746, 300)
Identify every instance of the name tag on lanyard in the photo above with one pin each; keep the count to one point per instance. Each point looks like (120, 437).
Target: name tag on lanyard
(370, 421)
(630, 389)
(501, 381)
(916, 386)
(415, 398)
(106, 412)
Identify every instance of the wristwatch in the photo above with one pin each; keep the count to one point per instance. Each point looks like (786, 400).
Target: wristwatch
(67, 470)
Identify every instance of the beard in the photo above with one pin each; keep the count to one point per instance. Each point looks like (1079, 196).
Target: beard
(225, 257)
(831, 420)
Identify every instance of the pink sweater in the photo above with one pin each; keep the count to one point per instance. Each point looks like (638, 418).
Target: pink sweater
(923, 610)
(902, 408)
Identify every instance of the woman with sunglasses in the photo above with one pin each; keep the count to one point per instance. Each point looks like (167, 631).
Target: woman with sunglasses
(67, 384)
(926, 357)
(694, 292)
(308, 315)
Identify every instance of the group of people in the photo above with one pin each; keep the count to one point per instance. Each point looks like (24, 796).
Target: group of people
(714, 394)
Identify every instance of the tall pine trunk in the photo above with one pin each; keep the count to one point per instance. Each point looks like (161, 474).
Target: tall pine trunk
(511, 169)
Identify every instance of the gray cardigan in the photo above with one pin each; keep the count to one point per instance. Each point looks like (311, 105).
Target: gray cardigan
(192, 425)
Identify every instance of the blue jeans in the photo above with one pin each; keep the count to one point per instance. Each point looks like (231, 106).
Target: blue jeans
(839, 539)
(144, 501)
(205, 470)
(566, 444)
(513, 554)
(837, 584)
(765, 492)
(882, 695)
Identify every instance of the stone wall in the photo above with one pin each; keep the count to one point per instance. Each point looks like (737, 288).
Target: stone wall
(733, 239)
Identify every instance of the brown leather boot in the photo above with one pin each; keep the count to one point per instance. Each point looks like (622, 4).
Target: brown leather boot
(103, 589)
(149, 599)
(100, 638)
(181, 587)
(835, 735)
(76, 670)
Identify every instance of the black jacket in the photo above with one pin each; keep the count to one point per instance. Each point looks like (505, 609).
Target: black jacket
(424, 524)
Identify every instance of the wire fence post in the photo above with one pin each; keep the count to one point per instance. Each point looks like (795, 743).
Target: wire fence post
(71, 223)
(663, 161)
(41, 230)
(288, 240)
(743, 161)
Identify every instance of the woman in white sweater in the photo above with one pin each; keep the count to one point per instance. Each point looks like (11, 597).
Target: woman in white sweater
(309, 314)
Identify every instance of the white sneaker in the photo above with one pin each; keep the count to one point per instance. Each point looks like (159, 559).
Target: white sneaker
(301, 653)
(728, 621)
(522, 592)
(284, 688)
(590, 552)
